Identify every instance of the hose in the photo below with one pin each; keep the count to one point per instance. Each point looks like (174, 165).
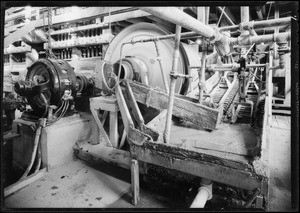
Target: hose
(35, 146)
(39, 159)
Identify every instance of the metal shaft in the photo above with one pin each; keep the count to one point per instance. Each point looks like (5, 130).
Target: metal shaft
(245, 14)
(172, 86)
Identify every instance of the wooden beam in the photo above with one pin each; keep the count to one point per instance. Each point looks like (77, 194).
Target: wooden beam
(225, 171)
(19, 33)
(99, 124)
(203, 116)
(21, 184)
(229, 94)
(111, 155)
(126, 117)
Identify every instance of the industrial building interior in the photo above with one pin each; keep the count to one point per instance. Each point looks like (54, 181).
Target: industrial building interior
(173, 107)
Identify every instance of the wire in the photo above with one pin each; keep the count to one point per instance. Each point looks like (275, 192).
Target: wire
(46, 103)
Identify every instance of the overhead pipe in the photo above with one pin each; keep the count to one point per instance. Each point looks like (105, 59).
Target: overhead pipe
(276, 37)
(259, 24)
(245, 15)
(173, 72)
(205, 19)
(178, 17)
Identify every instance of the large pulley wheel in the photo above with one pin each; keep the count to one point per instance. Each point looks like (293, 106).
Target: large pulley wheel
(46, 82)
(146, 53)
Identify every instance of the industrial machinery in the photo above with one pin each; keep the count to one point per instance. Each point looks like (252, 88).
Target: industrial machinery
(181, 94)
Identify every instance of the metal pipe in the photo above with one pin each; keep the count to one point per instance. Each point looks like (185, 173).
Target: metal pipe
(276, 16)
(204, 194)
(161, 68)
(270, 87)
(276, 37)
(203, 59)
(164, 37)
(178, 17)
(259, 24)
(172, 85)
(245, 14)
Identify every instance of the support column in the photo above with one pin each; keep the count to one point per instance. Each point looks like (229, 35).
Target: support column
(135, 182)
(113, 128)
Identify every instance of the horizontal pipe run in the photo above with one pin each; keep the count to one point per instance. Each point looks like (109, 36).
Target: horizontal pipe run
(229, 67)
(164, 37)
(259, 24)
(178, 17)
(276, 37)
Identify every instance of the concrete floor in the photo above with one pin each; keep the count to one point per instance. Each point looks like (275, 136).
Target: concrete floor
(81, 185)
(280, 163)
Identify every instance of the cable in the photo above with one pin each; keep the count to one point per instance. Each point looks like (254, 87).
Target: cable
(35, 146)
(46, 103)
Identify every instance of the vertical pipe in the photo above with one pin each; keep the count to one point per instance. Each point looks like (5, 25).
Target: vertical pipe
(245, 17)
(161, 68)
(11, 61)
(172, 85)
(276, 16)
(203, 16)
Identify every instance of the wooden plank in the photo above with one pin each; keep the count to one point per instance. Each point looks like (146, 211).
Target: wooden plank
(107, 103)
(209, 85)
(214, 172)
(117, 156)
(126, 117)
(125, 16)
(10, 136)
(21, 184)
(230, 89)
(158, 124)
(99, 124)
(141, 139)
(203, 116)
(135, 182)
